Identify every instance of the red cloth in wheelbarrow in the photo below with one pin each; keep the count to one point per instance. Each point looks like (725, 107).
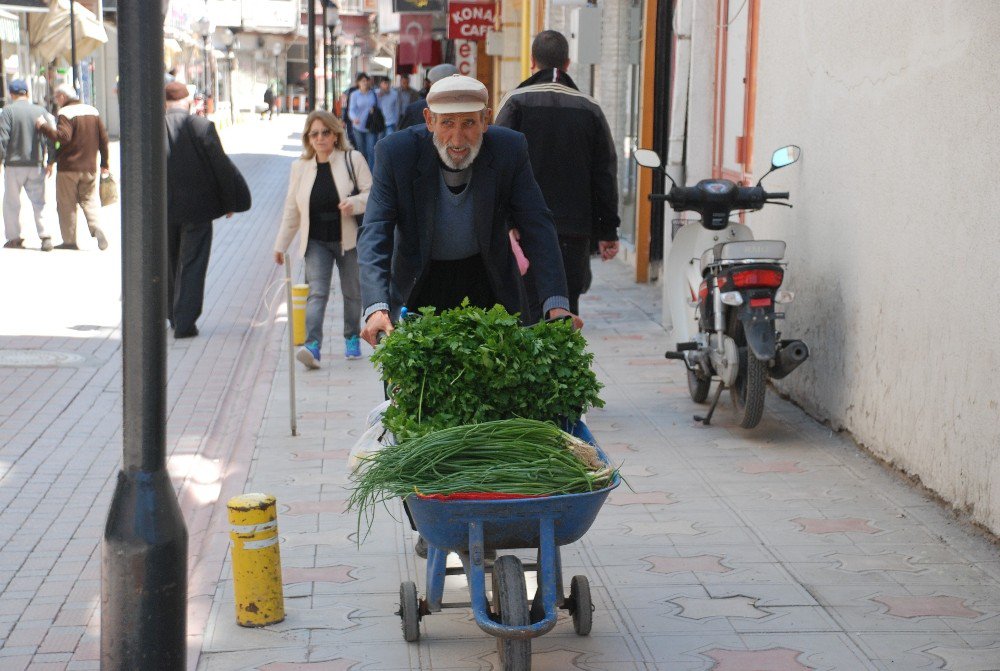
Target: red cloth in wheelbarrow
(478, 496)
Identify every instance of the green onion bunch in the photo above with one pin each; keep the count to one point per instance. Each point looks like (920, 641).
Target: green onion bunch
(509, 456)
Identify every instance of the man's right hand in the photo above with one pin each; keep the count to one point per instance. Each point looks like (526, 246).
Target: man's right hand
(378, 322)
(279, 258)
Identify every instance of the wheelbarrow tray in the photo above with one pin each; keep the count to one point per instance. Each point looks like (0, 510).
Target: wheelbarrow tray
(506, 523)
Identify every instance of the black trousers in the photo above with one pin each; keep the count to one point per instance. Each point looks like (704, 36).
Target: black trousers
(447, 283)
(576, 263)
(188, 249)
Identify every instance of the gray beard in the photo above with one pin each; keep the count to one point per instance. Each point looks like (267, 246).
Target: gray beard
(442, 150)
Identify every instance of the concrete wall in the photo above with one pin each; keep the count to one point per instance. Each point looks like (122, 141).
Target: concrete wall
(894, 242)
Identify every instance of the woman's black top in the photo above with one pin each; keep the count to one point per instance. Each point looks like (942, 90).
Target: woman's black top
(324, 216)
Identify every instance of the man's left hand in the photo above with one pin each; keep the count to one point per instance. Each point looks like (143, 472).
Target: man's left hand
(559, 313)
(608, 249)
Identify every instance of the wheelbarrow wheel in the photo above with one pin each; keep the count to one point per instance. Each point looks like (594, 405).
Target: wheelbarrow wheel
(583, 607)
(510, 602)
(409, 611)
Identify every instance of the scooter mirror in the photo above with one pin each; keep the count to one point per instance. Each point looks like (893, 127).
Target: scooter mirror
(647, 158)
(785, 156)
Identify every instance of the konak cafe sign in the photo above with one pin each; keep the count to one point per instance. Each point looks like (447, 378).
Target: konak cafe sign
(470, 20)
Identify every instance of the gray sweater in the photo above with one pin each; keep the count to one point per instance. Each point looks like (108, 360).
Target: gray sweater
(21, 143)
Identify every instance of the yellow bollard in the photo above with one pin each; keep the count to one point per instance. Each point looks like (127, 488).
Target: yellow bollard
(300, 292)
(256, 560)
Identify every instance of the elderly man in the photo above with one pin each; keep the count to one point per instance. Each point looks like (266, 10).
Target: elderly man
(202, 185)
(81, 136)
(24, 152)
(436, 227)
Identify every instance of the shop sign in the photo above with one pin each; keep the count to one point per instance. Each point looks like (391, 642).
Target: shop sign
(412, 6)
(470, 20)
(465, 57)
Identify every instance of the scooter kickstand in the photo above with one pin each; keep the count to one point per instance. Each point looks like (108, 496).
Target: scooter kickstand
(707, 419)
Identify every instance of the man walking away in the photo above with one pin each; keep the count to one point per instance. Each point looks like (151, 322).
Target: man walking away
(269, 101)
(406, 96)
(81, 135)
(413, 114)
(388, 102)
(202, 185)
(572, 156)
(24, 151)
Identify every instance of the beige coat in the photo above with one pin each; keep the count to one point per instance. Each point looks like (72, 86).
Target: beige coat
(300, 183)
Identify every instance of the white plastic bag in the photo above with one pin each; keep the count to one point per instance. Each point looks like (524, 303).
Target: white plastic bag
(372, 440)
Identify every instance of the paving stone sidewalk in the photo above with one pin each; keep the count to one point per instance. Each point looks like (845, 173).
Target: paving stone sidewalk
(784, 548)
(780, 548)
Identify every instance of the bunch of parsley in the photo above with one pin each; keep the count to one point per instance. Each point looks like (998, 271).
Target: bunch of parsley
(468, 365)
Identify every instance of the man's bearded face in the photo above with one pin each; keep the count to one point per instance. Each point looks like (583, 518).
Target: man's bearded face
(458, 137)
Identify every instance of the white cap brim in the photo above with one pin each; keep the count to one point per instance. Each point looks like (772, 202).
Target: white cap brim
(456, 107)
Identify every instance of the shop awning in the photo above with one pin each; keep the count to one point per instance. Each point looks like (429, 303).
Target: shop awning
(49, 35)
(10, 28)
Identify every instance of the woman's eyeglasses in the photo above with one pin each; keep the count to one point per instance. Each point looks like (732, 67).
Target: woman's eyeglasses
(326, 132)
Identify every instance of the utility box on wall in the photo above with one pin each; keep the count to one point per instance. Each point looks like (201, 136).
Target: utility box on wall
(585, 35)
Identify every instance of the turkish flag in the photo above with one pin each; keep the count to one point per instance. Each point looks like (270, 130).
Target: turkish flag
(414, 39)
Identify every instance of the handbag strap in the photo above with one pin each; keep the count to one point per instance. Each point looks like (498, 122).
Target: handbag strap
(350, 170)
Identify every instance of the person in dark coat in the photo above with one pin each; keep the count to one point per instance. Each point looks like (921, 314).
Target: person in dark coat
(573, 157)
(436, 225)
(202, 185)
(413, 113)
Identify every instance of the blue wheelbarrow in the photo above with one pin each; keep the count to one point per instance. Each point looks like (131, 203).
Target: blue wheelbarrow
(476, 529)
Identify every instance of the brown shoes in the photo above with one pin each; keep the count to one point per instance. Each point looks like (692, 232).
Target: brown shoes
(16, 243)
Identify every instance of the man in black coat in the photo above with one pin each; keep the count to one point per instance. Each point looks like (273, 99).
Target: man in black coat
(436, 225)
(202, 185)
(572, 155)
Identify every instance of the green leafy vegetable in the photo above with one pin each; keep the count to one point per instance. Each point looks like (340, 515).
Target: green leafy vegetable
(468, 365)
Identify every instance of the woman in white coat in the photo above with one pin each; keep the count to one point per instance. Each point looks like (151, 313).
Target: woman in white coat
(328, 187)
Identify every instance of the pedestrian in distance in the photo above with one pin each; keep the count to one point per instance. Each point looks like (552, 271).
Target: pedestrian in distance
(25, 150)
(436, 228)
(413, 114)
(327, 187)
(202, 185)
(572, 156)
(269, 101)
(388, 103)
(81, 136)
(406, 95)
(360, 106)
(345, 107)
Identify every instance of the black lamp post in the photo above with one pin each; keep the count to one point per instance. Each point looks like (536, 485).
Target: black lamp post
(229, 39)
(203, 27)
(331, 17)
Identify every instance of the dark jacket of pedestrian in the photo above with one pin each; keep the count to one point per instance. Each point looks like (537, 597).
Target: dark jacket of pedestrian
(202, 183)
(572, 153)
(413, 115)
(396, 238)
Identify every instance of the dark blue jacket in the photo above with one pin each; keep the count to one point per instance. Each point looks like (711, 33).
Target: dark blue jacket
(394, 242)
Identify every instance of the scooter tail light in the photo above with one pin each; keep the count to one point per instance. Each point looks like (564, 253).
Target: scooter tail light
(703, 291)
(745, 279)
(731, 298)
(784, 296)
(760, 302)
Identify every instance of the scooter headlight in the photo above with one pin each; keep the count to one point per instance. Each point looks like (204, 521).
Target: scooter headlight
(784, 296)
(731, 298)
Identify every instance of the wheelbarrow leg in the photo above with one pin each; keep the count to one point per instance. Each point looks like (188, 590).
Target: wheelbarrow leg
(537, 605)
(437, 564)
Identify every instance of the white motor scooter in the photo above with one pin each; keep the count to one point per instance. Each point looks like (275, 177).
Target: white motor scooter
(721, 290)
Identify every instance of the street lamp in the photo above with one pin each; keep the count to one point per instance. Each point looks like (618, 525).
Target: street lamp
(331, 17)
(276, 49)
(228, 39)
(203, 27)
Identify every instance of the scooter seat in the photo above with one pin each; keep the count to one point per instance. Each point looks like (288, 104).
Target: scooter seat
(743, 250)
